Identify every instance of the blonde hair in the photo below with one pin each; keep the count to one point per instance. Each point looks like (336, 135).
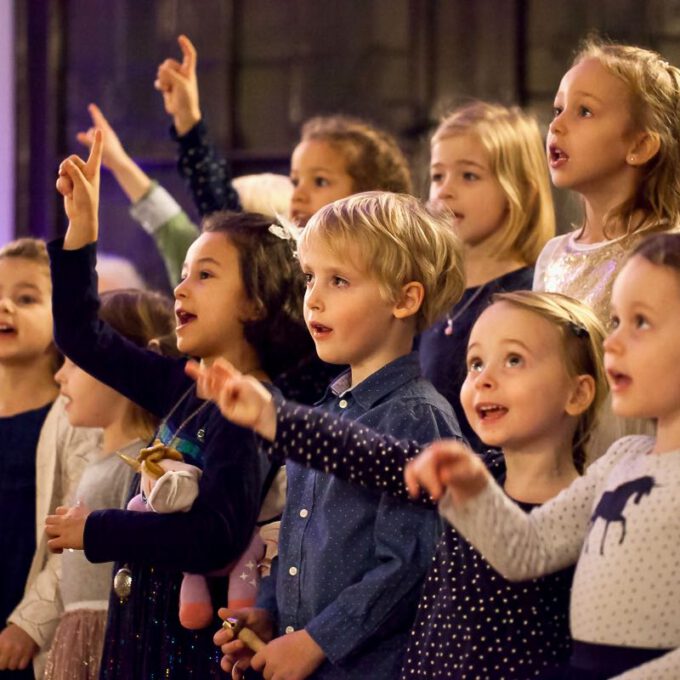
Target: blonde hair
(400, 241)
(374, 160)
(514, 146)
(265, 193)
(583, 336)
(654, 88)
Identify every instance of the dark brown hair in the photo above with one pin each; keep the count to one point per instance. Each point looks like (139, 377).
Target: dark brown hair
(146, 319)
(374, 160)
(272, 279)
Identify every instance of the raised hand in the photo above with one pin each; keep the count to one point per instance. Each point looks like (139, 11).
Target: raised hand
(241, 398)
(78, 183)
(179, 86)
(113, 152)
(447, 464)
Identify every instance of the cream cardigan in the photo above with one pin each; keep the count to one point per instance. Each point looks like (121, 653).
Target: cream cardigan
(61, 455)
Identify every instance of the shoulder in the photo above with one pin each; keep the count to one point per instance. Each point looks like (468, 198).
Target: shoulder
(519, 279)
(418, 411)
(622, 451)
(553, 247)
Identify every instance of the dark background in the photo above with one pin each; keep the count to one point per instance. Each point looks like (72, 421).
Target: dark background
(267, 65)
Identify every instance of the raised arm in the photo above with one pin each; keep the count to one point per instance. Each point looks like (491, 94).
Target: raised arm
(152, 206)
(207, 174)
(131, 178)
(143, 376)
(309, 436)
(519, 546)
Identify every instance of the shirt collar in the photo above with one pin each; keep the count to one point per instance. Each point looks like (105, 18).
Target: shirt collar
(379, 384)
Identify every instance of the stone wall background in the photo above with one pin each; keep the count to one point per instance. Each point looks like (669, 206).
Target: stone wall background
(267, 65)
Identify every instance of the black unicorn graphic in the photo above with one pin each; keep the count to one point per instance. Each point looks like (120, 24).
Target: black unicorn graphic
(611, 505)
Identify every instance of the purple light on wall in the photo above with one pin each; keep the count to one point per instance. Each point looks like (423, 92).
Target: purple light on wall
(8, 136)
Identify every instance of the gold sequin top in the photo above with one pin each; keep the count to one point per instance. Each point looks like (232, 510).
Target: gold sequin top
(585, 272)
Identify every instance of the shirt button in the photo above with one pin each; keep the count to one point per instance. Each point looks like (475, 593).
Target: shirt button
(293, 571)
(289, 630)
(342, 403)
(304, 512)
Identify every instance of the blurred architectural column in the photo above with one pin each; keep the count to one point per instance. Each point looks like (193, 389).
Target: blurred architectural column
(7, 125)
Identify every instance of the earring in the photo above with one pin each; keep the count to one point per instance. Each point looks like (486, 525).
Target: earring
(631, 158)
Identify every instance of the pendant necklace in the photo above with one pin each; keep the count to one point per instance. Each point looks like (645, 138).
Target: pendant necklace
(450, 318)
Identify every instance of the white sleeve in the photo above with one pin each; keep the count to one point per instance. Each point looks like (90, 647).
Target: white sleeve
(544, 258)
(523, 546)
(155, 209)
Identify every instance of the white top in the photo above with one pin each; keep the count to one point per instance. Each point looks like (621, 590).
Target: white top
(620, 523)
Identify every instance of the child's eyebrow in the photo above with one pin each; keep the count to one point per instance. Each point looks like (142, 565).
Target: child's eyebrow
(27, 284)
(465, 161)
(208, 260)
(583, 93)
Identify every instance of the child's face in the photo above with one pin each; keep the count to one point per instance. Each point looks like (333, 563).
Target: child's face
(642, 352)
(25, 311)
(348, 318)
(517, 388)
(210, 300)
(592, 133)
(90, 403)
(461, 180)
(318, 172)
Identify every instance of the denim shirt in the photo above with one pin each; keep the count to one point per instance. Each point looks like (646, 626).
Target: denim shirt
(351, 561)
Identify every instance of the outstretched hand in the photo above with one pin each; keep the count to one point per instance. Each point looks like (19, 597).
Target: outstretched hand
(447, 464)
(78, 183)
(241, 398)
(178, 84)
(113, 153)
(66, 528)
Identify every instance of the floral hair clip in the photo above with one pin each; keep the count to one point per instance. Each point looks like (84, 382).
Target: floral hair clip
(285, 229)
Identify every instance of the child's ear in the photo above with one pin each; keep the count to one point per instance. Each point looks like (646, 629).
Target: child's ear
(409, 301)
(582, 395)
(644, 148)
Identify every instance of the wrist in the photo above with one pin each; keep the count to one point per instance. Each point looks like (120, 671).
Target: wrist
(186, 121)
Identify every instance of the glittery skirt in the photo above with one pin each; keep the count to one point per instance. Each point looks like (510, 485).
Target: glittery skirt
(76, 651)
(144, 639)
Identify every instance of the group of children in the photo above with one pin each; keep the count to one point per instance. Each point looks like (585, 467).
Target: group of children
(330, 346)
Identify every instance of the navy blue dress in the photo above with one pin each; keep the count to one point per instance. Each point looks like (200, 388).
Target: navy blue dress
(19, 436)
(144, 639)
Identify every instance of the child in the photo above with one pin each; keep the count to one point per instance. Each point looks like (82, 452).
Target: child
(142, 318)
(471, 623)
(42, 458)
(336, 156)
(239, 297)
(619, 522)
(158, 212)
(615, 140)
(379, 268)
(488, 170)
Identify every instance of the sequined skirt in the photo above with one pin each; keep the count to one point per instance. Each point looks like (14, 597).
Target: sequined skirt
(77, 648)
